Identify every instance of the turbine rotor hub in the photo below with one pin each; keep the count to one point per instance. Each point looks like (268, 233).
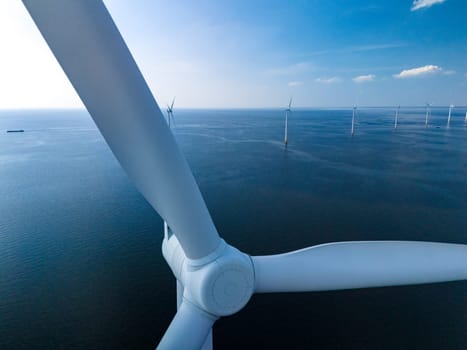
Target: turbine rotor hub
(223, 286)
(221, 283)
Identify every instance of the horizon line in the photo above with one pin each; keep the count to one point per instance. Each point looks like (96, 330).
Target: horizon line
(238, 108)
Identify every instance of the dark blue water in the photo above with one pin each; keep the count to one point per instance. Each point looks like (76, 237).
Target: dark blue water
(80, 257)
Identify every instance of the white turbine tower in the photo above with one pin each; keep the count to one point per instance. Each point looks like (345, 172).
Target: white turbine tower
(170, 113)
(395, 119)
(449, 114)
(214, 279)
(427, 114)
(170, 116)
(354, 110)
(287, 111)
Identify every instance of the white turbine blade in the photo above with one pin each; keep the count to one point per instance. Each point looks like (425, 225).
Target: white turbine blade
(172, 105)
(188, 330)
(91, 51)
(290, 102)
(348, 265)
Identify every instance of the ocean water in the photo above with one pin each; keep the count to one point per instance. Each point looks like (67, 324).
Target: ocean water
(80, 249)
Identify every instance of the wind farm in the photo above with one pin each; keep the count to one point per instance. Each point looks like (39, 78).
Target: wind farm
(120, 230)
(216, 279)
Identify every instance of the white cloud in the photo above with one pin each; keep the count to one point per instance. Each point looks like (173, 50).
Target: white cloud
(364, 78)
(419, 4)
(295, 83)
(415, 72)
(328, 80)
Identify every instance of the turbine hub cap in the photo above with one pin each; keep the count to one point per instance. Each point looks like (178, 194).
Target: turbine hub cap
(223, 286)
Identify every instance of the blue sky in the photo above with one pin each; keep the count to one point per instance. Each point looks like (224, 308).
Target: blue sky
(219, 53)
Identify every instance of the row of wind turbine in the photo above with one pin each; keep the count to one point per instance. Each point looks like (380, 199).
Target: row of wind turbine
(428, 112)
(354, 112)
(214, 278)
(396, 117)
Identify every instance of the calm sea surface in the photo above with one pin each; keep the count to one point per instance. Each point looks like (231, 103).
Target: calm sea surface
(80, 249)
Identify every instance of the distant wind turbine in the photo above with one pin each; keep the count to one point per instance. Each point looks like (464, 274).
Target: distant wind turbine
(170, 114)
(395, 119)
(449, 115)
(427, 114)
(353, 120)
(170, 117)
(287, 111)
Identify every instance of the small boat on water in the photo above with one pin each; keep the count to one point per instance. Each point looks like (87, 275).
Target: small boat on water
(15, 130)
